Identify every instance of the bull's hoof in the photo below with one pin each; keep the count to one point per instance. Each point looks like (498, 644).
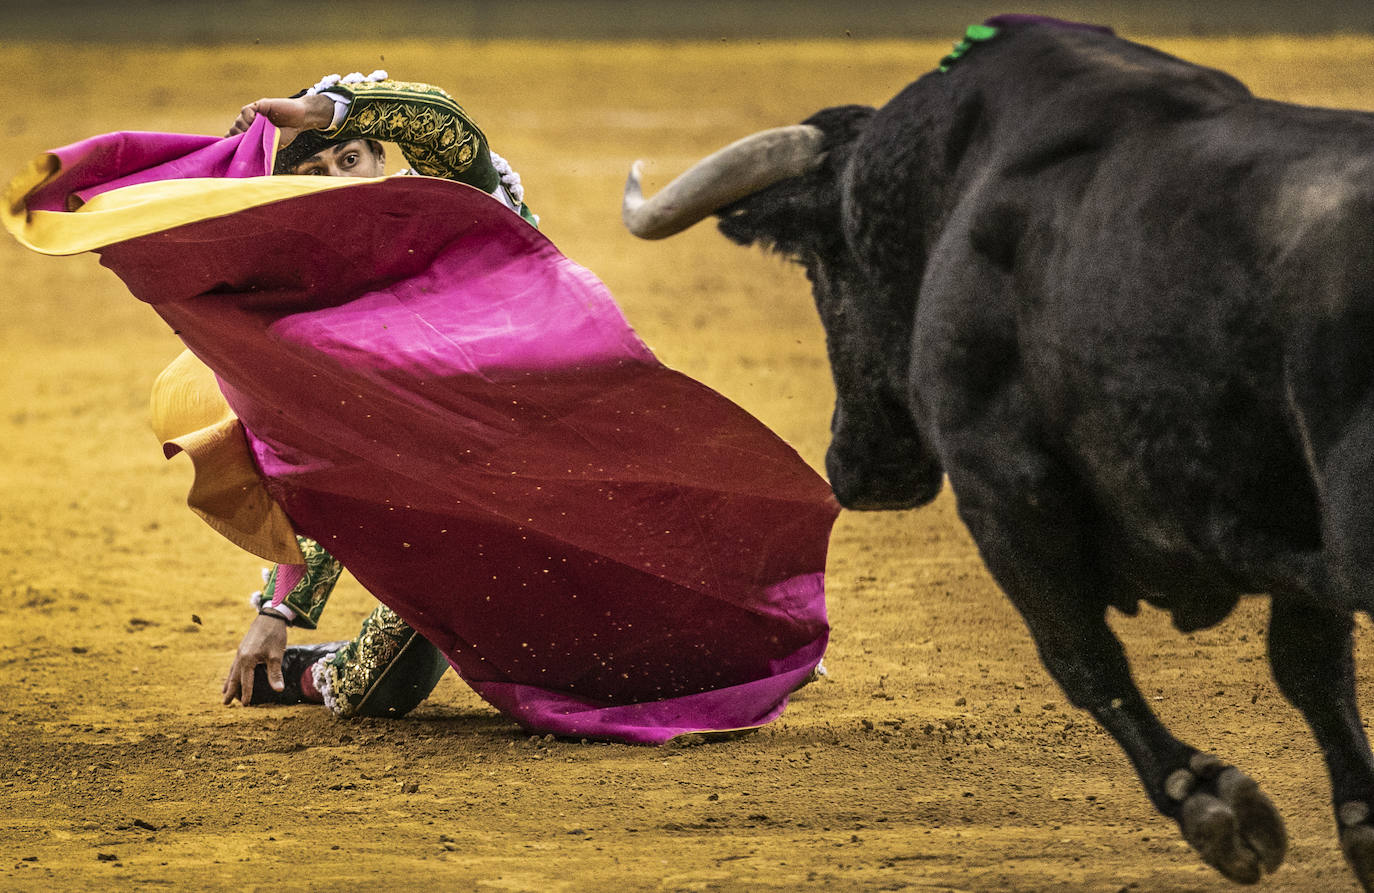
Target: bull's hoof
(1357, 840)
(1228, 820)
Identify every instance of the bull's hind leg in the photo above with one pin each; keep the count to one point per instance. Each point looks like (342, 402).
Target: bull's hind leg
(1310, 651)
(1310, 642)
(1034, 545)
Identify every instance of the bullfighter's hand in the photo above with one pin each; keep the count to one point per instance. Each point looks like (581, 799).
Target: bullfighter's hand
(291, 116)
(265, 642)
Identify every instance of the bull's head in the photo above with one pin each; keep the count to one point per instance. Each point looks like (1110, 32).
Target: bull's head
(781, 188)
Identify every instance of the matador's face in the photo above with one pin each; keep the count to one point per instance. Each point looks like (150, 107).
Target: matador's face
(355, 158)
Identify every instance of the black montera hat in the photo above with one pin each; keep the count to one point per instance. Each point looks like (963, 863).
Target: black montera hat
(306, 143)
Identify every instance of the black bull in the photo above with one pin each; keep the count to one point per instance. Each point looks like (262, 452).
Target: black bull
(1128, 310)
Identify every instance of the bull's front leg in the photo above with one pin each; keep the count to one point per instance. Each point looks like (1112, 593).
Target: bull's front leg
(1310, 652)
(1035, 540)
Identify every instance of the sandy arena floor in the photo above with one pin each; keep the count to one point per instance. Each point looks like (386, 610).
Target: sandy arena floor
(937, 756)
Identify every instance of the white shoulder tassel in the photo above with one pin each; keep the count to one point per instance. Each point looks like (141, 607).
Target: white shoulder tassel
(325, 83)
(356, 77)
(509, 178)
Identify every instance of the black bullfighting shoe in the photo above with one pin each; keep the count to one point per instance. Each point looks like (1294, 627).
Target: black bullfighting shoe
(299, 688)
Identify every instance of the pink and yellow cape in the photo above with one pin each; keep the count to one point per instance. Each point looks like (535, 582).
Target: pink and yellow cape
(601, 546)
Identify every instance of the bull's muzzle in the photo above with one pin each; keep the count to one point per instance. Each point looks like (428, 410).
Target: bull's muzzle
(870, 484)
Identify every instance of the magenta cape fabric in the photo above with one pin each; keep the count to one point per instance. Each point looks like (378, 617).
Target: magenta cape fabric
(602, 547)
(107, 162)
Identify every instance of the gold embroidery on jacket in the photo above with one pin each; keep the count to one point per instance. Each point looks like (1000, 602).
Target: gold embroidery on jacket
(353, 671)
(436, 135)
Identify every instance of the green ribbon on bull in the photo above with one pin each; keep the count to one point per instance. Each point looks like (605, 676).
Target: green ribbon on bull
(975, 35)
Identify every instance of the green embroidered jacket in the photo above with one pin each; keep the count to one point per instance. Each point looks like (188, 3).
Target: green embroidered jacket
(435, 134)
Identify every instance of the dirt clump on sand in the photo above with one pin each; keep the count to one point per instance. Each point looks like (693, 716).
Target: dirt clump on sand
(937, 755)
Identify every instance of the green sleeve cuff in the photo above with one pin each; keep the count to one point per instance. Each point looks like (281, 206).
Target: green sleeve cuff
(309, 596)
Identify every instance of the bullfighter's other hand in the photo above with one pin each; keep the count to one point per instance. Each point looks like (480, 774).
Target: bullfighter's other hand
(265, 642)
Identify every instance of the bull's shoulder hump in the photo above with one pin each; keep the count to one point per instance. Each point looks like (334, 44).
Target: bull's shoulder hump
(1045, 56)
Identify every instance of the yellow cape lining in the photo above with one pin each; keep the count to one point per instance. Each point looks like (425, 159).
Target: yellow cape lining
(144, 209)
(188, 412)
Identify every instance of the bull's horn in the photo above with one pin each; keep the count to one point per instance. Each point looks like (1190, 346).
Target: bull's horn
(728, 175)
